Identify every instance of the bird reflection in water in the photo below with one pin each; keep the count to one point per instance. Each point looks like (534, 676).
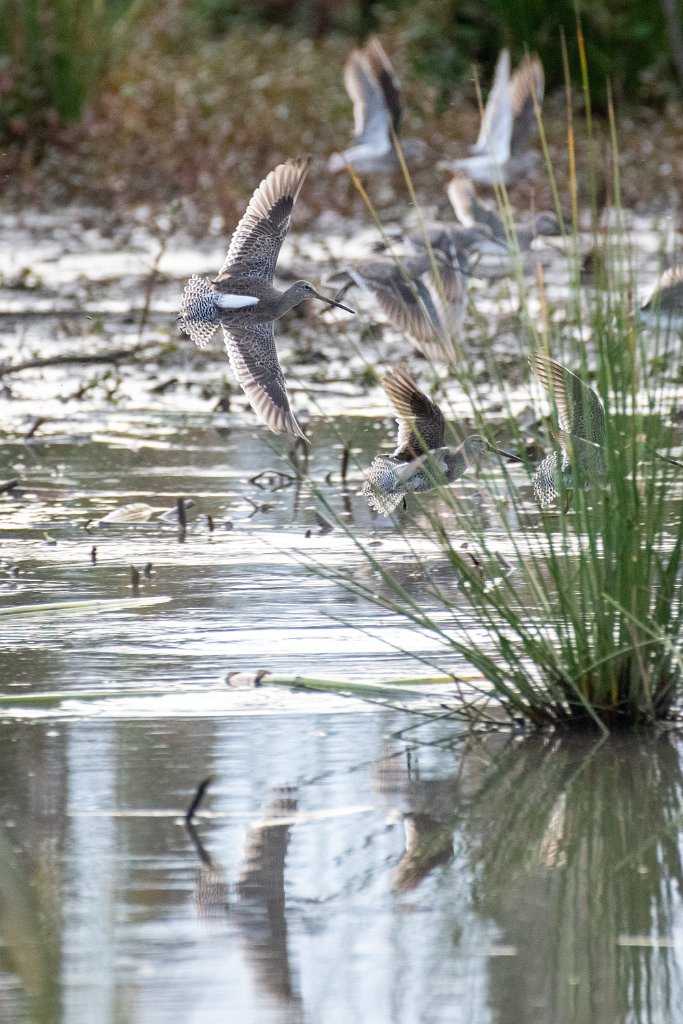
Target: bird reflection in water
(258, 905)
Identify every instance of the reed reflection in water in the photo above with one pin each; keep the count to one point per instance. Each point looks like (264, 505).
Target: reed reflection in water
(338, 868)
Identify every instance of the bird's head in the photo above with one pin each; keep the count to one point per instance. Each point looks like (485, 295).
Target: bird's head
(301, 290)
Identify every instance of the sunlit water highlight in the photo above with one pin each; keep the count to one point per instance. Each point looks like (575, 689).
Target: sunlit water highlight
(341, 869)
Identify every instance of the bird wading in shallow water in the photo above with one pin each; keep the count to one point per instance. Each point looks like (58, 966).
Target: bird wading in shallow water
(375, 92)
(421, 461)
(244, 303)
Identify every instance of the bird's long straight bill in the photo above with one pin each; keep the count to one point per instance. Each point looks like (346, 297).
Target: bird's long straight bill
(506, 455)
(667, 458)
(333, 302)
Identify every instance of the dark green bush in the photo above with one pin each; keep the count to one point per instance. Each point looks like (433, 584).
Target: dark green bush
(626, 41)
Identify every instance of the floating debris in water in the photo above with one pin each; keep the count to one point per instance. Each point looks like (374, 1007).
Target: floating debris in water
(140, 512)
(243, 680)
(273, 480)
(325, 525)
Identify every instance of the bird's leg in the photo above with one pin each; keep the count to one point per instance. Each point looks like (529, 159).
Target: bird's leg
(568, 494)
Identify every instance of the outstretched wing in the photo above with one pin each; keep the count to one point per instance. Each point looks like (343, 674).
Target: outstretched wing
(258, 237)
(414, 299)
(496, 123)
(527, 86)
(668, 292)
(467, 208)
(254, 361)
(408, 305)
(580, 411)
(384, 74)
(421, 423)
(461, 194)
(447, 286)
(371, 116)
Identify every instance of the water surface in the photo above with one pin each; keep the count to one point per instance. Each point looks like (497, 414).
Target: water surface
(341, 868)
(340, 871)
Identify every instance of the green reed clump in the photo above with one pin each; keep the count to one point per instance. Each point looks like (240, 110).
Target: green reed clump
(571, 619)
(53, 54)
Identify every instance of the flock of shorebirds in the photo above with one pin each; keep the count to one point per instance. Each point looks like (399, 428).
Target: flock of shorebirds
(423, 294)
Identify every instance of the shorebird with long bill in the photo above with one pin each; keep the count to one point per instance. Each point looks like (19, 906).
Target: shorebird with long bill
(244, 303)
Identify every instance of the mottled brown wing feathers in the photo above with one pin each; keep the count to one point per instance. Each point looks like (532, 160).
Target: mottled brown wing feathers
(579, 410)
(460, 192)
(381, 68)
(254, 361)
(258, 237)
(527, 83)
(421, 424)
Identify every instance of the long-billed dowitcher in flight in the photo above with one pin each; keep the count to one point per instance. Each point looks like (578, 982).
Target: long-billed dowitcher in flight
(375, 93)
(665, 305)
(424, 295)
(582, 458)
(420, 461)
(471, 213)
(500, 153)
(582, 435)
(243, 301)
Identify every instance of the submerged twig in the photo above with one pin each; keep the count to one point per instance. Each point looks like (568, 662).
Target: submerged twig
(325, 525)
(346, 453)
(182, 505)
(112, 356)
(37, 422)
(149, 290)
(272, 479)
(197, 798)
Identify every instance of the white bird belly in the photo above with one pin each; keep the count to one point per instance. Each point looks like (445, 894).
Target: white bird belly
(227, 301)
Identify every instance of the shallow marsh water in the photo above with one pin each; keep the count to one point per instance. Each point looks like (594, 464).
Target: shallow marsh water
(341, 869)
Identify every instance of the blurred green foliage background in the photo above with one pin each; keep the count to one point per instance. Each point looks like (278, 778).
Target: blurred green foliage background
(57, 55)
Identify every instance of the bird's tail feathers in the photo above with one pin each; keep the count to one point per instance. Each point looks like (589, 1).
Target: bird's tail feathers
(198, 311)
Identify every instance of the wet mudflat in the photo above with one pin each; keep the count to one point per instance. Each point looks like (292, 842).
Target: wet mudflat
(340, 868)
